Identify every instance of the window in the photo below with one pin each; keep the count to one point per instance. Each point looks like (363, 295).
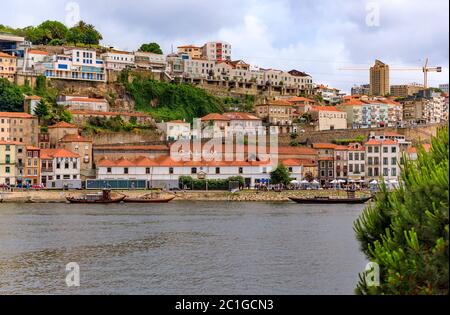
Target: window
(376, 161)
(125, 170)
(217, 170)
(370, 161)
(350, 167)
(385, 161)
(394, 161)
(58, 165)
(385, 150)
(170, 170)
(7, 169)
(330, 173)
(362, 156)
(290, 170)
(377, 150)
(376, 171)
(385, 172)
(369, 149)
(74, 165)
(66, 165)
(370, 172)
(241, 170)
(109, 170)
(147, 170)
(394, 171)
(350, 156)
(66, 177)
(194, 170)
(394, 150)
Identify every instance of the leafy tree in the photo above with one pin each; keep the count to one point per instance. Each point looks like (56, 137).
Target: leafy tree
(152, 48)
(41, 85)
(84, 33)
(11, 97)
(66, 116)
(406, 231)
(280, 175)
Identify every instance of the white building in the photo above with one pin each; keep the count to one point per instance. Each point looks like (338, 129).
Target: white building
(60, 168)
(383, 159)
(83, 103)
(167, 172)
(444, 87)
(74, 64)
(243, 123)
(176, 130)
(356, 162)
(217, 51)
(150, 61)
(118, 60)
(198, 68)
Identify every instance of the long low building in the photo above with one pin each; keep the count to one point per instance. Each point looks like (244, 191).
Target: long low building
(165, 172)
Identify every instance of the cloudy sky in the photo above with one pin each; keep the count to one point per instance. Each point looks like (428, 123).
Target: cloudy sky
(316, 36)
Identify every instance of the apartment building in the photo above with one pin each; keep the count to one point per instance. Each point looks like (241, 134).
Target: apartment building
(426, 106)
(276, 112)
(32, 166)
(328, 118)
(326, 162)
(194, 52)
(11, 162)
(444, 88)
(356, 162)
(199, 68)
(60, 168)
(74, 64)
(8, 66)
(383, 159)
(83, 103)
(329, 94)
(405, 90)
(21, 127)
(379, 79)
(82, 147)
(363, 89)
(175, 130)
(32, 58)
(118, 60)
(243, 124)
(59, 130)
(217, 51)
(341, 160)
(150, 61)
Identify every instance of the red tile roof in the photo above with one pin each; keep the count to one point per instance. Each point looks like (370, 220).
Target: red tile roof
(2, 54)
(325, 109)
(240, 116)
(353, 103)
(15, 115)
(74, 138)
(63, 124)
(37, 52)
(279, 103)
(300, 99)
(57, 153)
(214, 116)
(133, 148)
(373, 142)
(324, 146)
(11, 143)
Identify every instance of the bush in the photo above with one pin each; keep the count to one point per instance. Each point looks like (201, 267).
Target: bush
(406, 231)
(213, 184)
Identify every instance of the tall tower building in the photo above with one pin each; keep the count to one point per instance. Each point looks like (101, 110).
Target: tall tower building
(379, 79)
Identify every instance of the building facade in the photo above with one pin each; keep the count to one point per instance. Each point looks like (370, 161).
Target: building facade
(60, 168)
(21, 127)
(8, 66)
(379, 79)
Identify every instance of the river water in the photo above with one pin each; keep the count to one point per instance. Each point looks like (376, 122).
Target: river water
(180, 248)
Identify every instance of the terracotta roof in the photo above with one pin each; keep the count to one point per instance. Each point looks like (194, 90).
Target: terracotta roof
(300, 99)
(57, 153)
(325, 158)
(189, 46)
(296, 151)
(11, 143)
(353, 148)
(31, 148)
(341, 148)
(389, 142)
(353, 102)
(37, 52)
(133, 148)
(87, 100)
(373, 142)
(124, 162)
(15, 115)
(279, 103)
(294, 162)
(324, 146)
(325, 109)
(214, 116)
(2, 54)
(178, 122)
(63, 124)
(240, 116)
(98, 113)
(74, 138)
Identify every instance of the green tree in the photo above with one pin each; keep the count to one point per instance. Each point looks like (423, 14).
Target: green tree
(66, 116)
(152, 48)
(280, 175)
(41, 110)
(406, 231)
(11, 97)
(84, 33)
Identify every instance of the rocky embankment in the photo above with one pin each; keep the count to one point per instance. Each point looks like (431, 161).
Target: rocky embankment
(243, 196)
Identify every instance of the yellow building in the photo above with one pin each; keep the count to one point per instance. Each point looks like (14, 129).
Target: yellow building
(32, 166)
(193, 51)
(404, 90)
(10, 164)
(379, 79)
(8, 66)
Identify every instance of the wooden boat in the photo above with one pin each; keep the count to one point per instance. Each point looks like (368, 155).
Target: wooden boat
(351, 199)
(327, 200)
(103, 198)
(149, 200)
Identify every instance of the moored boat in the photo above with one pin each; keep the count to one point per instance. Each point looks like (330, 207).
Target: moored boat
(150, 198)
(103, 198)
(327, 200)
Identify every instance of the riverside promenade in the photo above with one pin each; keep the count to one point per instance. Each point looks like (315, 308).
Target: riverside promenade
(58, 196)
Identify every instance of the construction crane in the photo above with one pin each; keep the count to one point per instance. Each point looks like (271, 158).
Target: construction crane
(425, 69)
